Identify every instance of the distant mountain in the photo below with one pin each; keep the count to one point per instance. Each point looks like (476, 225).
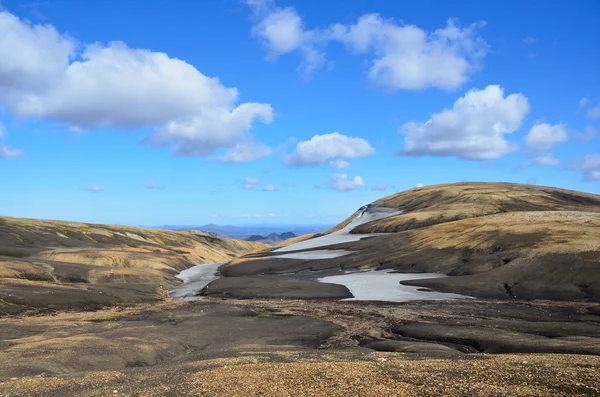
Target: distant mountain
(243, 232)
(272, 238)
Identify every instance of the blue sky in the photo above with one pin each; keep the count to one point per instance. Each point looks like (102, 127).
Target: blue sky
(236, 112)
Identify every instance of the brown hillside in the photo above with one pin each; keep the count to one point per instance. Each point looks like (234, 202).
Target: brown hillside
(66, 264)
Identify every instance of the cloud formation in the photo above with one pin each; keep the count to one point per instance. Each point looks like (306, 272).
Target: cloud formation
(341, 183)
(321, 148)
(543, 136)
(400, 56)
(43, 75)
(474, 129)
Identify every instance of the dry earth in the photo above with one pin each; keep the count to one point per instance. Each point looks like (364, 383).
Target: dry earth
(498, 240)
(59, 265)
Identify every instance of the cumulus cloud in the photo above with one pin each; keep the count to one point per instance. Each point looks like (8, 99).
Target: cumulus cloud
(590, 165)
(547, 159)
(321, 148)
(7, 152)
(341, 183)
(402, 56)
(150, 184)
(339, 164)
(42, 75)
(93, 188)
(543, 136)
(281, 31)
(407, 57)
(474, 129)
(594, 112)
(419, 184)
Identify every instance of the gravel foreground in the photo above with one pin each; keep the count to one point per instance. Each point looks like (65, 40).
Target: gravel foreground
(333, 374)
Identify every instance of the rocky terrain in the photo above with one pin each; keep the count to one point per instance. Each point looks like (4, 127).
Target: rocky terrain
(84, 308)
(62, 265)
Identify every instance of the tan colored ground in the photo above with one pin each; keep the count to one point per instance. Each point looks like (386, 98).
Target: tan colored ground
(43, 262)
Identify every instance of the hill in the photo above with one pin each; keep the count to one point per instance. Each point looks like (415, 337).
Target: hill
(54, 264)
(273, 238)
(497, 240)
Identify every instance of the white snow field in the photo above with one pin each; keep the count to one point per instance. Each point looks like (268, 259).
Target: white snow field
(385, 286)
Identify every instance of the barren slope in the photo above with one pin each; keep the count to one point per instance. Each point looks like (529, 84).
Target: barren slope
(65, 264)
(499, 240)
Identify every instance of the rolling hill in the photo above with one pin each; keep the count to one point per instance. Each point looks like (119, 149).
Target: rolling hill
(496, 240)
(54, 264)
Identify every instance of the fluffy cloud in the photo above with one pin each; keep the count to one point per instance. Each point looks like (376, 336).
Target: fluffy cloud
(321, 148)
(547, 159)
(402, 56)
(583, 102)
(281, 31)
(93, 188)
(5, 151)
(474, 129)
(543, 136)
(419, 184)
(341, 183)
(115, 86)
(407, 57)
(590, 165)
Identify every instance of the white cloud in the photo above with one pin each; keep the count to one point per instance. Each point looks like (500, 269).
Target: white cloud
(590, 165)
(339, 164)
(5, 151)
(119, 87)
(93, 188)
(340, 182)
(543, 136)
(529, 40)
(547, 159)
(586, 136)
(419, 184)
(583, 102)
(269, 188)
(245, 151)
(594, 112)
(474, 129)
(321, 148)
(281, 31)
(408, 57)
(379, 187)
(403, 56)
(150, 184)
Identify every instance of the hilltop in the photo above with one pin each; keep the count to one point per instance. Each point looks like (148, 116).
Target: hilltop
(496, 240)
(56, 264)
